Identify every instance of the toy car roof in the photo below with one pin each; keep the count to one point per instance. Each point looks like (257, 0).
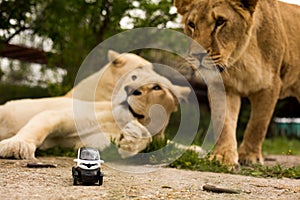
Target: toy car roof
(88, 148)
(88, 153)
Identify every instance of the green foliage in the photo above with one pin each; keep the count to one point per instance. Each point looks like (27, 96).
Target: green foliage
(164, 152)
(156, 144)
(74, 37)
(55, 89)
(273, 172)
(76, 27)
(190, 160)
(281, 146)
(156, 14)
(21, 92)
(57, 151)
(110, 154)
(16, 17)
(203, 124)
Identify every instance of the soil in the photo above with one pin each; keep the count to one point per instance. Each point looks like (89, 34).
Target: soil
(17, 181)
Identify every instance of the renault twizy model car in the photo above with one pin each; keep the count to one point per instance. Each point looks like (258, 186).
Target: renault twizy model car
(88, 168)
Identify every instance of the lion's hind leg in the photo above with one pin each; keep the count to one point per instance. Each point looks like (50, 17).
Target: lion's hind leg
(297, 90)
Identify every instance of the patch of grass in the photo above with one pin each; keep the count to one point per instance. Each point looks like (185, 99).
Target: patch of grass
(57, 151)
(189, 160)
(157, 152)
(155, 145)
(275, 146)
(273, 172)
(281, 146)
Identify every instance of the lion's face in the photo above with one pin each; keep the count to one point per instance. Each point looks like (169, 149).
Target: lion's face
(149, 97)
(222, 27)
(152, 105)
(142, 100)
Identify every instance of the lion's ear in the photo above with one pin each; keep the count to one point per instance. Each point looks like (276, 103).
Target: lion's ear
(182, 93)
(182, 5)
(249, 5)
(116, 58)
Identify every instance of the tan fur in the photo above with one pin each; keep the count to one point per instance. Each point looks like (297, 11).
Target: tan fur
(99, 86)
(61, 121)
(165, 96)
(257, 44)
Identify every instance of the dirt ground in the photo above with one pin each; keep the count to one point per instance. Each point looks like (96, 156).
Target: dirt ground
(17, 181)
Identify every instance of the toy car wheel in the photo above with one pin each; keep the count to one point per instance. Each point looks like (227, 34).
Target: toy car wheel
(75, 182)
(100, 180)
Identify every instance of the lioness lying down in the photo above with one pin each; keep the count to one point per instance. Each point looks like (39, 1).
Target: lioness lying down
(15, 114)
(141, 107)
(255, 44)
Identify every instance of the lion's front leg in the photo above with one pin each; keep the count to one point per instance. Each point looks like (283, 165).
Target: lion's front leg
(32, 135)
(262, 108)
(16, 147)
(226, 146)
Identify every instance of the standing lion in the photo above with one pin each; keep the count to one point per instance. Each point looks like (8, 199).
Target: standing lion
(255, 44)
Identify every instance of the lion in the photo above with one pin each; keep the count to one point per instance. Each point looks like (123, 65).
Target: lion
(140, 108)
(98, 86)
(255, 45)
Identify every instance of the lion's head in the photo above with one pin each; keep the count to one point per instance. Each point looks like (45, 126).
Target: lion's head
(222, 27)
(149, 98)
(100, 85)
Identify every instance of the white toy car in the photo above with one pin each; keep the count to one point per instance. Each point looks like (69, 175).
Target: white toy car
(88, 168)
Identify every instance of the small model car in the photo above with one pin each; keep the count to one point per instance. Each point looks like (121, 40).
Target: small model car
(88, 168)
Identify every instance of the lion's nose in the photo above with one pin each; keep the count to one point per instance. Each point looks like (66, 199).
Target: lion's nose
(199, 56)
(132, 91)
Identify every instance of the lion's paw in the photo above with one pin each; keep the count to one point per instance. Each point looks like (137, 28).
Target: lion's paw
(16, 148)
(134, 138)
(250, 158)
(226, 156)
(130, 146)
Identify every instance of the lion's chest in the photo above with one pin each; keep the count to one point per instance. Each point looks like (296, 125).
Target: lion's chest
(247, 80)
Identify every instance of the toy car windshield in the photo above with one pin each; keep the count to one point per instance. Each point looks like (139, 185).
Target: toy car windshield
(89, 154)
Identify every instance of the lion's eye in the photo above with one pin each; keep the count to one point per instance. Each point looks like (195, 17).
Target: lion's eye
(133, 77)
(156, 87)
(191, 25)
(220, 21)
